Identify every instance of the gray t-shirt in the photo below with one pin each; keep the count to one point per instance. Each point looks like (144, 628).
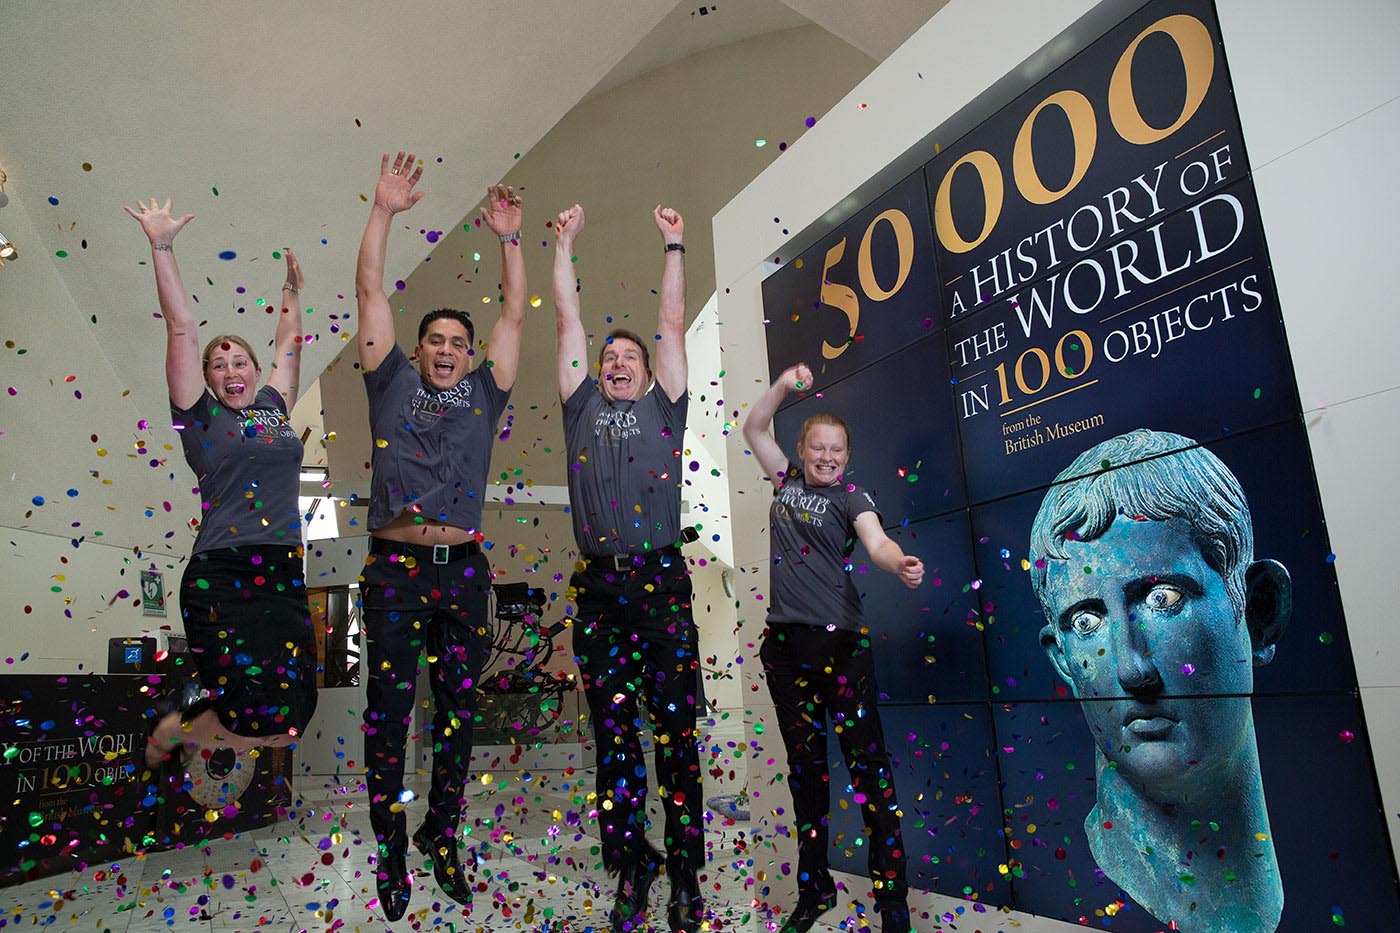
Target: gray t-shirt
(622, 456)
(248, 464)
(813, 532)
(431, 449)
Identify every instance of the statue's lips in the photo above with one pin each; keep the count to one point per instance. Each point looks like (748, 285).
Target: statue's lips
(1148, 725)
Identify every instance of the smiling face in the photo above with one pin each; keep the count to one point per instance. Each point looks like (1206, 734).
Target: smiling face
(1140, 627)
(231, 373)
(824, 451)
(623, 375)
(444, 353)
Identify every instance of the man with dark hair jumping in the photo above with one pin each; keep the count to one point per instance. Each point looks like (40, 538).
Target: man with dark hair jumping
(426, 581)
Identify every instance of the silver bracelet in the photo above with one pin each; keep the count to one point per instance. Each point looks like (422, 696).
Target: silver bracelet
(510, 237)
(289, 287)
(163, 247)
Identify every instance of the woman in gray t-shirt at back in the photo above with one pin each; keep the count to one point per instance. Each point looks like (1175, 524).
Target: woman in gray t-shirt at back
(242, 596)
(817, 655)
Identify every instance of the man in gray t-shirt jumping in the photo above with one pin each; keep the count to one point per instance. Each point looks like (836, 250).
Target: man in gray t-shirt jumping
(634, 636)
(426, 581)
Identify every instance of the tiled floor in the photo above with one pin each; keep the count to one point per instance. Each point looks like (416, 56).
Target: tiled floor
(537, 869)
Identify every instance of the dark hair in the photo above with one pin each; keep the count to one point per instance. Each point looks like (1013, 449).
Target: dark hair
(626, 334)
(461, 317)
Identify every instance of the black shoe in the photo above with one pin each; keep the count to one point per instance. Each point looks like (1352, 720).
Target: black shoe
(810, 906)
(447, 869)
(684, 909)
(894, 918)
(633, 885)
(394, 889)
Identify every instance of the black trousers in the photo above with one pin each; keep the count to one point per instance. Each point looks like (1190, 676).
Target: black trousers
(411, 607)
(814, 674)
(635, 638)
(249, 630)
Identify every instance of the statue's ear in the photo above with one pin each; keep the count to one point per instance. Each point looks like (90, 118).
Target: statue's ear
(1268, 605)
(1055, 652)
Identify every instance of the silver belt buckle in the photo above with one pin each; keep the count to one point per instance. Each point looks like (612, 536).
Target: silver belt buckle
(441, 553)
(621, 562)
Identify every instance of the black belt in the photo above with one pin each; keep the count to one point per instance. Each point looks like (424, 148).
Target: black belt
(430, 553)
(621, 563)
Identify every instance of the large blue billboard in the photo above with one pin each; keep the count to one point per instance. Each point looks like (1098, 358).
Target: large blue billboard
(1069, 389)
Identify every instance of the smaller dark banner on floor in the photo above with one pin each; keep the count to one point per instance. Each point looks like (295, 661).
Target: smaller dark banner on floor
(69, 772)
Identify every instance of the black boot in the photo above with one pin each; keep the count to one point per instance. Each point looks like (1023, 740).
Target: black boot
(895, 918)
(633, 884)
(683, 911)
(394, 889)
(811, 904)
(447, 869)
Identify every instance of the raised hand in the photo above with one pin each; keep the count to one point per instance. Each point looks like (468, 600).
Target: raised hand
(395, 193)
(797, 378)
(568, 225)
(669, 222)
(911, 571)
(155, 219)
(502, 212)
(294, 277)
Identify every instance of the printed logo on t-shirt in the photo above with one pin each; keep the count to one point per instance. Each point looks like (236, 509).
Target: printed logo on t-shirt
(267, 423)
(616, 424)
(429, 406)
(801, 506)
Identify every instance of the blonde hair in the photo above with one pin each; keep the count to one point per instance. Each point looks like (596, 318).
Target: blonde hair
(223, 339)
(823, 418)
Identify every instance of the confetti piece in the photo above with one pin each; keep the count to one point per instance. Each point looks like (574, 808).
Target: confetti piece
(53, 200)
(228, 254)
(87, 166)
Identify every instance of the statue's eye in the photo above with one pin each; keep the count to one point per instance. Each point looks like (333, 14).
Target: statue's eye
(1163, 597)
(1086, 622)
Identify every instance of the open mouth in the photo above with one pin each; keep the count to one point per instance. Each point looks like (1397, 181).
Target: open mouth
(235, 388)
(443, 367)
